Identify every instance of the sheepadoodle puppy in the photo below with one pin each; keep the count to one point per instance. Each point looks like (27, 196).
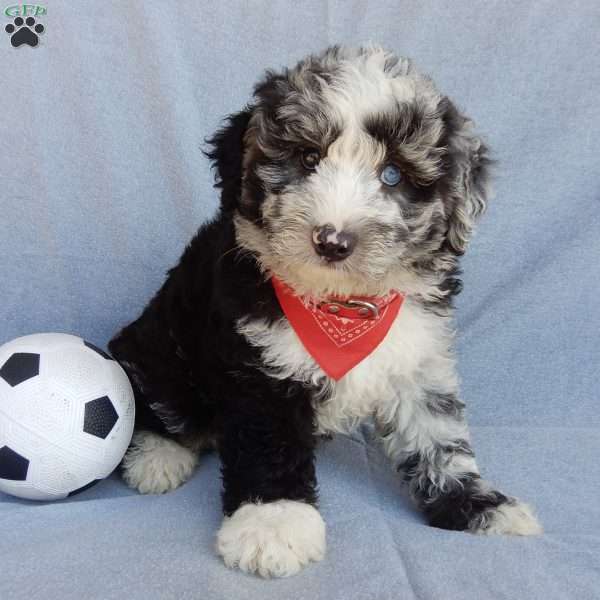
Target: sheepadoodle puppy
(320, 295)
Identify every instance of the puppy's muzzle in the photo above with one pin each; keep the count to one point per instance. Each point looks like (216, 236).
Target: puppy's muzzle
(331, 244)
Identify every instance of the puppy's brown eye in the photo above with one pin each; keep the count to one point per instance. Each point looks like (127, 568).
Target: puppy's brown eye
(310, 159)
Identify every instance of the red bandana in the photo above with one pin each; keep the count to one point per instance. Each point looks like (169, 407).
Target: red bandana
(339, 333)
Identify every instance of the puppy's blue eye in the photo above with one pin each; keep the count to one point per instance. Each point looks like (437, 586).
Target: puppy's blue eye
(391, 175)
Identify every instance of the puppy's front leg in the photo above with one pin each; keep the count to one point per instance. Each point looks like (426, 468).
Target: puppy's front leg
(271, 525)
(427, 438)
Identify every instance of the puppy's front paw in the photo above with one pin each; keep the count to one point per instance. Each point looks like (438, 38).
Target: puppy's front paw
(155, 465)
(275, 539)
(510, 518)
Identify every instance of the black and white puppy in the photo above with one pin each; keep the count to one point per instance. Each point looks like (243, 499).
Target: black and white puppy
(346, 176)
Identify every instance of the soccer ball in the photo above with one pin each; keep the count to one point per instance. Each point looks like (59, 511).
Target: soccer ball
(66, 416)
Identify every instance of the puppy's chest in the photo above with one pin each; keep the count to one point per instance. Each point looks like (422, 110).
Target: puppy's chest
(414, 337)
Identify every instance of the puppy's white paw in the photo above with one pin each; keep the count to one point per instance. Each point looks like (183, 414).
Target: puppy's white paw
(155, 464)
(275, 539)
(511, 518)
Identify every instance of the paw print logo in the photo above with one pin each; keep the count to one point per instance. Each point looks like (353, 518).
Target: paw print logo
(24, 32)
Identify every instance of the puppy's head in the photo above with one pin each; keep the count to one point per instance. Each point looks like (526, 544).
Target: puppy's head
(352, 174)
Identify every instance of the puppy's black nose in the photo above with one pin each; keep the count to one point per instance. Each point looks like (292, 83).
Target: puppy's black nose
(332, 244)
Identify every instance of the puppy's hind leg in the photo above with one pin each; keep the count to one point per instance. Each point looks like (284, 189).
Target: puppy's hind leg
(427, 437)
(155, 464)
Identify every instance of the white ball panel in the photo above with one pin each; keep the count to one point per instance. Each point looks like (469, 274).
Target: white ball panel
(75, 368)
(20, 402)
(54, 471)
(23, 489)
(36, 341)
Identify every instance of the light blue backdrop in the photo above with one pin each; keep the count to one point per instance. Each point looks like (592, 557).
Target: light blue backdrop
(102, 182)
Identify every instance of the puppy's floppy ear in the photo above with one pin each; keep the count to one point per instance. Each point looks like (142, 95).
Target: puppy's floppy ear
(226, 151)
(469, 185)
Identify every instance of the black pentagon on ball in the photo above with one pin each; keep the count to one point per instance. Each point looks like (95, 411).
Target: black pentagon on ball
(20, 367)
(98, 350)
(13, 466)
(87, 486)
(100, 417)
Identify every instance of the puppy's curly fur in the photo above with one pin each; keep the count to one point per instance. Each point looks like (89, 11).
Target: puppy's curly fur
(213, 359)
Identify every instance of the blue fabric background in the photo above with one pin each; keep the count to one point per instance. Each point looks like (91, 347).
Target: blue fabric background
(102, 182)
